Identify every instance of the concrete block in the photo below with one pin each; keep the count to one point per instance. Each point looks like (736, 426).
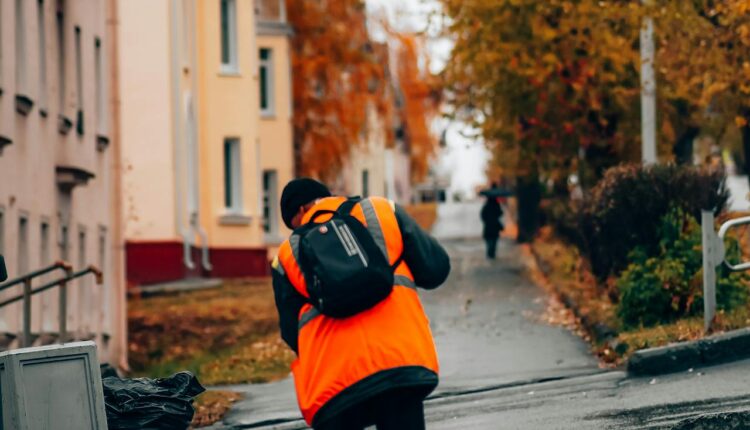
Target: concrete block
(56, 387)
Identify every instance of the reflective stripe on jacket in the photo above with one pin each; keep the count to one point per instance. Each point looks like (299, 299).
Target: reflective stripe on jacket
(336, 354)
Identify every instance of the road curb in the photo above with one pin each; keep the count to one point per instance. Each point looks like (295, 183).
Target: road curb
(721, 348)
(598, 331)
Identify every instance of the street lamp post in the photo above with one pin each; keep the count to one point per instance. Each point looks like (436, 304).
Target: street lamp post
(648, 91)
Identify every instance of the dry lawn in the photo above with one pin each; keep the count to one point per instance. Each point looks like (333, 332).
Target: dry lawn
(226, 335)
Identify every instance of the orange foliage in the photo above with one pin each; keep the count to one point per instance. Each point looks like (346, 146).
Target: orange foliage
(418, 104)
(338, 74)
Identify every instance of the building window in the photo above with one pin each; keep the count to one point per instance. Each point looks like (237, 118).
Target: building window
(84, 302)
(2, 231)
(102, 260)
(266, 82)
(79, 82)
(232, 176)
(23, 246)
(99, 86)
(61, 84)
(45, 259)
(270, 10)
(20, 48)
(270, 192)
(44, 249)
(365, 183)
(1, 44)
(63, 242)
(228, 36)
(42, 30)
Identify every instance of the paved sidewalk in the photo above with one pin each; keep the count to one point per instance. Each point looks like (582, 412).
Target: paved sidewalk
(484, 324)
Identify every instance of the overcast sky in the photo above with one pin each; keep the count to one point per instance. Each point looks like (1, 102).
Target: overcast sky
(465, 157)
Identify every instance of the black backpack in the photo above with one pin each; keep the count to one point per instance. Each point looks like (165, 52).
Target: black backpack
(345, 270)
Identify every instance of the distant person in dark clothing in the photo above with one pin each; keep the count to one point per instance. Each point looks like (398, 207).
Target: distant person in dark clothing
(491, 215)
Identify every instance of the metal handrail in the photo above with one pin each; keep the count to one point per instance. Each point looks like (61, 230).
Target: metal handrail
(723, 232)
(28, 292)
(47, 286)
(62, 265)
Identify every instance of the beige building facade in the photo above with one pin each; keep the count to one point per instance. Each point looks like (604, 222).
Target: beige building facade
(58, 161)
(204, 152)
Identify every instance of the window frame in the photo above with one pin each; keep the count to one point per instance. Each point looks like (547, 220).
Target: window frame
(267, 66)
(270, 197)
(232, 175)
(41, 19)
(20, 34)
(231, 66)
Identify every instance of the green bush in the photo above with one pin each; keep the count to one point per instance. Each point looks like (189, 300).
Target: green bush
(669, 285)
(621, 212)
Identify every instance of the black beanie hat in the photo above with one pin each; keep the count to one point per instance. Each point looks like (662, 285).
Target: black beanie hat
(297, 193)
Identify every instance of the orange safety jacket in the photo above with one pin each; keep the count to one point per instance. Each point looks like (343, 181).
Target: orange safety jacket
(352, 358)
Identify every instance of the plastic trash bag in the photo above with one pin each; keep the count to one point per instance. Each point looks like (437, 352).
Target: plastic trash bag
(143, 403)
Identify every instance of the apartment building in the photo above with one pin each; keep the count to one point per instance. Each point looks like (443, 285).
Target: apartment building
(58, 168)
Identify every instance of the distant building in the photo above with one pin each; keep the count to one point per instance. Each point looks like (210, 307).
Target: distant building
(59, 177)
(206, 131)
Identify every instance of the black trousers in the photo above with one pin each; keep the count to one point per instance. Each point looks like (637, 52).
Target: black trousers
(491, 247)
(392, 410)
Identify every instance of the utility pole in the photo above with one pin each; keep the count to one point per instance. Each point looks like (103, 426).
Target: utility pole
(648, 91)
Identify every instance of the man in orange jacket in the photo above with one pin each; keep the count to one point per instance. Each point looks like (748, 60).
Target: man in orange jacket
(377, 366)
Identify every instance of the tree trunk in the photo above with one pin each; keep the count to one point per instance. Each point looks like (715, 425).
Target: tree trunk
(529, 193)
(746, 145)
(683, 148)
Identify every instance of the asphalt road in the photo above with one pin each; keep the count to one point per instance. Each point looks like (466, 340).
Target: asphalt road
(503, 368)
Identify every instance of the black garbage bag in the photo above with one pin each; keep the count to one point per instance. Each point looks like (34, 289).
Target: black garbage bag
(143, 403)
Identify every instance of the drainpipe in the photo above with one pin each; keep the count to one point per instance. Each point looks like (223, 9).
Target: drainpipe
(177, 138)
(194, 171)
(118, 353)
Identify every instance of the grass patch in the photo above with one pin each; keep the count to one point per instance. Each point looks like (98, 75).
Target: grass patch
(424, 213)
(563, 272)
(224, 335)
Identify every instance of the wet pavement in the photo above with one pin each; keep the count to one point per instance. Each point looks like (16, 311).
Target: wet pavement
(484, 320)
(503, 368)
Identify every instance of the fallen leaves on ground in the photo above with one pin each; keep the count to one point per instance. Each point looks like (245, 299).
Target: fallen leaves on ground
(224, 335)
(560, 270)
(211, 406)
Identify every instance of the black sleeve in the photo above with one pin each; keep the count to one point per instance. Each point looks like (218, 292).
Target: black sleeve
(288, 303)
(427, 260)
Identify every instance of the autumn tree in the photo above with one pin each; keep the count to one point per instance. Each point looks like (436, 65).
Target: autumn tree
(553, 84)
(703, 64)
(336, 76)
(339, 73)
(417, 89)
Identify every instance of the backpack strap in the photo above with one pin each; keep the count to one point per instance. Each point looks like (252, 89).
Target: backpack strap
(346, 207)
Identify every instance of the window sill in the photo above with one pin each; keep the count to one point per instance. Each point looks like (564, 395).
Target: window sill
(102, 142)
(229, 71)
(235, 219)
(64, 124)
(4, 141)
(268, 116)
(24, 104)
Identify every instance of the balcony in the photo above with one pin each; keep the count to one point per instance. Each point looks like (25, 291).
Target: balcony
(68, 177)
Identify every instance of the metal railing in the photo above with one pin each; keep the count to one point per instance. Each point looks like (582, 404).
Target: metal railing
(28, 292)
